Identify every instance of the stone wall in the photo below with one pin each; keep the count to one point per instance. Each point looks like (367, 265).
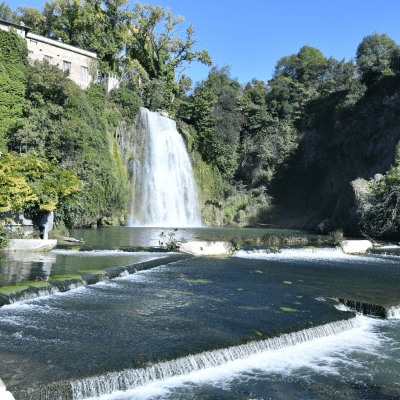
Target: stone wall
(82, 64)
(19, 28)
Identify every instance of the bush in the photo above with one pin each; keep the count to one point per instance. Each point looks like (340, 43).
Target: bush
(128, 100)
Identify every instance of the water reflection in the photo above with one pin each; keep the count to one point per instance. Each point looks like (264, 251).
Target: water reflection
(123, 237)
(24, 266)
(21, 266)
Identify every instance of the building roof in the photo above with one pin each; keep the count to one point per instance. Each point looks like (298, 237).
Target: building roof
(53, 42)
(17, 26)
(58, 43)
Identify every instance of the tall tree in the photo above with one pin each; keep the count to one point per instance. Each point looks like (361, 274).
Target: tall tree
(32, 18)
(164, 55)
(7, 13)
(99, 26)
(377, 55)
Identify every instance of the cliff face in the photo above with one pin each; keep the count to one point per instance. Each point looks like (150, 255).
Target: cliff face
(317, 186)
(130, 140)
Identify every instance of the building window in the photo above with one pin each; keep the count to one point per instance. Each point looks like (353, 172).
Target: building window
(67, 67)
(49, 59)
(84, 74)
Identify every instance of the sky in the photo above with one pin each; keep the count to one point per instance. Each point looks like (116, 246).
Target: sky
(251, 36)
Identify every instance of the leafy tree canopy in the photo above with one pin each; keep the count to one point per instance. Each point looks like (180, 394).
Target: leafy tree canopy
(33, 183)
(377, 55)
(161, 53)
(6, 13)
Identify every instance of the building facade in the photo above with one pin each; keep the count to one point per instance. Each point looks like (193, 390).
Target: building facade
(81, 64)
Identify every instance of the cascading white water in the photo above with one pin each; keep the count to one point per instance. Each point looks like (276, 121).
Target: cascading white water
(164, 192)
(131, 378)
(393, 312)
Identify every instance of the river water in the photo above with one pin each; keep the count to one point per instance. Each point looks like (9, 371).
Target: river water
(190, 304)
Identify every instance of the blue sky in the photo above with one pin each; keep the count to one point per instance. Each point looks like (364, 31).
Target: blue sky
(253, 35)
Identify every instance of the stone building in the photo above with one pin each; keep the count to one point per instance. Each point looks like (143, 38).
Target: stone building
(81, 64)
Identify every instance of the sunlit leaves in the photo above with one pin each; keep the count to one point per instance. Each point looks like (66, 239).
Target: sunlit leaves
(30, 182)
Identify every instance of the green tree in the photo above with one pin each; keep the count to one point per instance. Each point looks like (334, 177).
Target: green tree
(99, 26)
(13, 62)
(376, 56)
(214, 110)
(165, 55)
(64, 123)
(6, 13)
(33, 18)
(33, 183)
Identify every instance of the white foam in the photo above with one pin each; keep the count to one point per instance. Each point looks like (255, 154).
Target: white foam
(394, 312)
(129, 378)
(311, 255)
(33, 302)
(342, 307)
(325, 355)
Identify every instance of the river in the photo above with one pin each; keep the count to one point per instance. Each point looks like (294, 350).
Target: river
(195, 305)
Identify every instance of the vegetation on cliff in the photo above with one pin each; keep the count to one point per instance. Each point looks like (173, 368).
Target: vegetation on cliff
(300, 150)
(57, 133)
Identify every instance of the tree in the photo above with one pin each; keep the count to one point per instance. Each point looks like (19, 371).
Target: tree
(99, 26)
(6, 13)
(33, 18)
(220, 82)
(308, 66)
(13, 62)
(376, 56)
(33, 183)
(163, 55)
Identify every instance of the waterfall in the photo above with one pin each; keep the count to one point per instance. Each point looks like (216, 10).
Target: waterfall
(131, 378)
(164, 189)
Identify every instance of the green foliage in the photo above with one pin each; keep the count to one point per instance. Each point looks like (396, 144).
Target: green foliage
(3, 237)
(33, 18)
(377, 55)
(161, 54)
(13, 61)
(65, 123)
(33, 184)
(128, 101)
(98, 26)
(213, 109)
(6, 13)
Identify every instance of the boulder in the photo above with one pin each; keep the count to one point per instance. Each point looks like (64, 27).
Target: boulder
(206, 248)
(355, 246)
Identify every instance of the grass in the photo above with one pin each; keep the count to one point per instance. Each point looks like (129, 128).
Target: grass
(20, 286)
(65, 277)
(93, 271)
(287, 309)
(74, 248)
(198, 280)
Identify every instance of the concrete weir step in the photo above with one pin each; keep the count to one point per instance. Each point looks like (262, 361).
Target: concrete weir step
(31, 244)
(4, 395)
